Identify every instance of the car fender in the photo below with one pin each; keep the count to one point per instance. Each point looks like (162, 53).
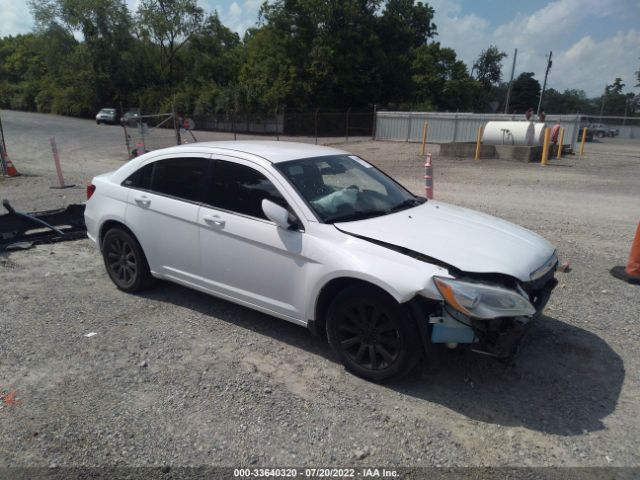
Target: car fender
(104, 221)
(400, 275)
(108, 203)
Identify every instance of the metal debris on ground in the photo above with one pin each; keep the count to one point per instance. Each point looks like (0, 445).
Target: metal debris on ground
(564, 267)
(9, 398)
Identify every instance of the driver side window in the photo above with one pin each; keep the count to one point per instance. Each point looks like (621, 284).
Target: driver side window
(241, 189)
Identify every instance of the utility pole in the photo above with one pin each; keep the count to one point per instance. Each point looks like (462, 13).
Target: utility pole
(513, 68)
(3, 151)
(602, 103)
(626, 105)
(544, 85)
(4, 146)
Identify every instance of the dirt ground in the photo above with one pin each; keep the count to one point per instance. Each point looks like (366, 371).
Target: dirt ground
(175, 377)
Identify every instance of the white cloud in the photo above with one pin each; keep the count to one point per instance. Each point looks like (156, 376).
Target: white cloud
(237, 17)
(550, 23)
(235, 11)
(590, 65)
(133, 5)
(15, 18)
(581, 49)
(467, 34)
(584, 64)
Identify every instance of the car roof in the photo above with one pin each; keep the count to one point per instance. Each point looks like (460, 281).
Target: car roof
(262, 151)
(270, 150)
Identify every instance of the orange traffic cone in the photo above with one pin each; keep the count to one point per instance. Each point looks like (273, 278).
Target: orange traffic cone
(631, 273)
(11, 170)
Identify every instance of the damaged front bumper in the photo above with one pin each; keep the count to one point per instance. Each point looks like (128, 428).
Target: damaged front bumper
(20, 230)
(497, 337)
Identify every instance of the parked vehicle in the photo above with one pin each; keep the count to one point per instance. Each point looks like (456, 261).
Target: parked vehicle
(600, 130)
(130, 117)
(588, 136)
(107, 115)
(323, 239)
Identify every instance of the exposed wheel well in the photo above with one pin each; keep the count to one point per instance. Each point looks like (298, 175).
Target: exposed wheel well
(418, 308)
(109, 224)
(329, 292)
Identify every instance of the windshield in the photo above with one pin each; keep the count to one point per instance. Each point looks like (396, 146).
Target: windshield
(341, 188)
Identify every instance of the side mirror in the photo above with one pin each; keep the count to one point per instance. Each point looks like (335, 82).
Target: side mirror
(277, 214)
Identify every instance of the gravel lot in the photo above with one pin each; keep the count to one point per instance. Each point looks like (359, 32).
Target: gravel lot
(175, 377)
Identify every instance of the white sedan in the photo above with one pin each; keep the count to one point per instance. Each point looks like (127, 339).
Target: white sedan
(107, 115)
(322, 238)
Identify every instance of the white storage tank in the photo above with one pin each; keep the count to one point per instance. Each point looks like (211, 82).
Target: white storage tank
(509, 133)
(538, 135)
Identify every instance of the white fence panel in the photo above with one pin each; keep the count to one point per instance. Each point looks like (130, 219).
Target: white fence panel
(454, 127)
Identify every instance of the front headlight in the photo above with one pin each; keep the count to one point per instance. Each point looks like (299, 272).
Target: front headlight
(483, 301)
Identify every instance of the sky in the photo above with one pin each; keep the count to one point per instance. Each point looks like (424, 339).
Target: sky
(593, 41)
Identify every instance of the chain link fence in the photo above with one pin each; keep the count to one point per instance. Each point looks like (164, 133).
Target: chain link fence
(316, 123)
(145, 132)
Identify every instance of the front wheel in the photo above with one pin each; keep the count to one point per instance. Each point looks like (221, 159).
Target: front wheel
(125, 261)
(372, 334)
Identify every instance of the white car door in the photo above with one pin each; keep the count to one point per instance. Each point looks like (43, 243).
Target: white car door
(245, 256)
(162, 211)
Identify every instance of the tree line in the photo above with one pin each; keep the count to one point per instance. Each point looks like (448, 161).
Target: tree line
(301, 55)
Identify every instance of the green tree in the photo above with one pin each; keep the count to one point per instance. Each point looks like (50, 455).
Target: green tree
(402, 28)
(214, 53)
(487, 68)
(104, 26)
(487, 71)
(525, 93)
(330, 52)
(567, 102)
(268, 77)
(615, 88)
(21, 68)
(442, 81)
(614, 102)
(168, 24)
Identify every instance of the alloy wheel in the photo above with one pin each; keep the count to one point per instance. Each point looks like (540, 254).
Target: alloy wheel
(368, 337)
(121, 260)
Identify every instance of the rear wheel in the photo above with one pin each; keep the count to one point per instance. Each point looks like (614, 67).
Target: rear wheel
(125, 261)
(372, 334)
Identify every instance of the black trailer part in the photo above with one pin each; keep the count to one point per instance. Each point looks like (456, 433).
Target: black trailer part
(19, 230)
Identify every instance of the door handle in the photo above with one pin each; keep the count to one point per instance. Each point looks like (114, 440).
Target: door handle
(214, 220)
(142, 200)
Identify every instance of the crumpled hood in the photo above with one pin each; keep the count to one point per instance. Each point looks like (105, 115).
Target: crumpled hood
(468, 240)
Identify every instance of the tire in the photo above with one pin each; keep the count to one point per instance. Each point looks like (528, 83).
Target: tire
(97, 122)
(600, 134)
(374, 337)
(125, 261)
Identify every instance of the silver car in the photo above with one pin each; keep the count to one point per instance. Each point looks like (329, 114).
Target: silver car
(107, 115)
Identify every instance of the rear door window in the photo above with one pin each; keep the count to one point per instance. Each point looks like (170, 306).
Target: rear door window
(183, 178)
(141, 178)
